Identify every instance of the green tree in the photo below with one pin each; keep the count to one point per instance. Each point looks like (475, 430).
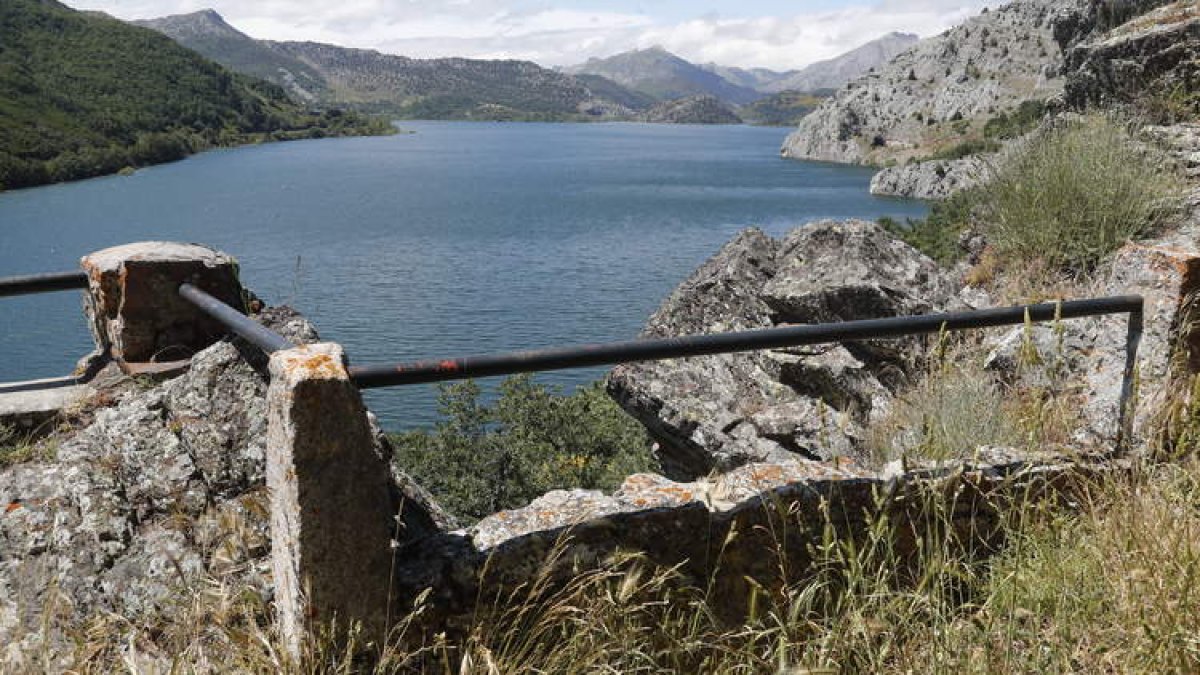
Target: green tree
(484, 458)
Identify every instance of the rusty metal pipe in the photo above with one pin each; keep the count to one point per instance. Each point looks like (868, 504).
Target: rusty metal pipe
(461, 368)
(43, 283)
(253, 332)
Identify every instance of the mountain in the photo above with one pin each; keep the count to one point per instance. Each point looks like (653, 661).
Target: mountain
(82, 94)
(837, 71)
(943, 91)
(664, 76)
(208, 33)
(447, 88)
(758, 79)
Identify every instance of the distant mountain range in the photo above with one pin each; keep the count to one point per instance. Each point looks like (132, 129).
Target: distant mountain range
(623, 86)
(659, 73)
(835, 72)
(446, 88)
(665, 76)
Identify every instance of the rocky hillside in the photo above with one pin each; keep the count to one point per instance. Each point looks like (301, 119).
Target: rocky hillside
(207, 33)
(665, 76)
(834, 73)
(946, 88)
(692, 110)
(449, 88)
(1152, 60)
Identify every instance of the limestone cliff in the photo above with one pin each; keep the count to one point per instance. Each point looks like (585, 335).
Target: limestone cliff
(936, 93)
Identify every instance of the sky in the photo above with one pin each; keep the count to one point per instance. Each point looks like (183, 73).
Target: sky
(777, 34)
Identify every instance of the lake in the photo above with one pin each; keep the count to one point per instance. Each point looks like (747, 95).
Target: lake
(461, 238)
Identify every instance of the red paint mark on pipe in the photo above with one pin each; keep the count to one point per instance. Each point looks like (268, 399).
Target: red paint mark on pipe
(448, 364)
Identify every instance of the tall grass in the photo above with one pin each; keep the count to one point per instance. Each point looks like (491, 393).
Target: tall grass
(1108, 586)
(1077, 193)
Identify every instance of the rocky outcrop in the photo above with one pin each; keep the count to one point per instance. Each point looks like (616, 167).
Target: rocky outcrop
(1156, 52)
(692, 110)
(934, 179)
(720, 412)
(164, 486)
(942, 89)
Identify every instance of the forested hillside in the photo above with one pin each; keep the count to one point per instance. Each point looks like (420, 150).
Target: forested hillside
(82, 94)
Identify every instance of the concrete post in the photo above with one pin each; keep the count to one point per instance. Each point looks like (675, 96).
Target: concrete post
(331, 520)
(134, 310)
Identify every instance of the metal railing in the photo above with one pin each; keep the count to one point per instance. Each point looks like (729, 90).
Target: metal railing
(44, 283)
(583, 356)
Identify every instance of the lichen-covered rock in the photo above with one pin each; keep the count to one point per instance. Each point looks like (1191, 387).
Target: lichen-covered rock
(161, 488)
(1156, 52)
(844, 271)
(1168, 278)
(719, 412)
(932, 180)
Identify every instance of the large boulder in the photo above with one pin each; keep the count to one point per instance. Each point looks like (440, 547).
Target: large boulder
(719, 412)
(934, 179)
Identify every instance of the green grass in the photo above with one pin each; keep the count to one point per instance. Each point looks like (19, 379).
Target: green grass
(17, 447)
(1078, 194)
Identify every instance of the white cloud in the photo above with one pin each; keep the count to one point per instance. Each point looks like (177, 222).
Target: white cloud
(555, 36)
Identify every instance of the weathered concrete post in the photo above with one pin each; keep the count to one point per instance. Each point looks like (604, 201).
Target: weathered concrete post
(134, 309)
(330, 507)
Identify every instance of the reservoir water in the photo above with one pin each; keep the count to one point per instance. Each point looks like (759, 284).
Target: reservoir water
(460, 238)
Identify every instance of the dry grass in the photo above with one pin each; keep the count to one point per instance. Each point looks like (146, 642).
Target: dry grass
(1106, 587)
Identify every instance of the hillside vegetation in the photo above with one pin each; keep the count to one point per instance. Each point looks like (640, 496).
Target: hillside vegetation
(83, 95)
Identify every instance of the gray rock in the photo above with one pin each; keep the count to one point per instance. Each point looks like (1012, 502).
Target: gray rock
(844, 271)
(1156, 52)
(934, 179)
(908, 107)
(778, 512)
(719, 412)
(138, 503)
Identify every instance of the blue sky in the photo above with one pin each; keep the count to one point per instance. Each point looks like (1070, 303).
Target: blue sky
(767, 33)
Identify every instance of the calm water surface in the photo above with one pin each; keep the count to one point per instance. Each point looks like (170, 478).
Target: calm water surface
(461, 238)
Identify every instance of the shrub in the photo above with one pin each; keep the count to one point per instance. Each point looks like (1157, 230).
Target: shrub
(937, 234)
(1016, 124)
(1078, 193)
(484, 458)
